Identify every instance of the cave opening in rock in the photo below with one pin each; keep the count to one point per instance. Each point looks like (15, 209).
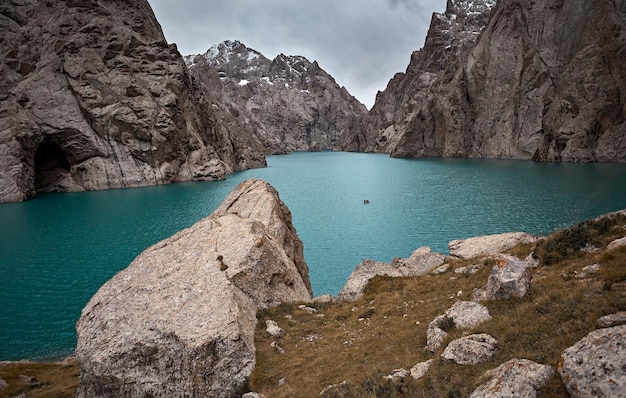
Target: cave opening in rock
(51, 167)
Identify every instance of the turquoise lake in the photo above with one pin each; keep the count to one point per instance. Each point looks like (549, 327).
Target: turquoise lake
(56, 250)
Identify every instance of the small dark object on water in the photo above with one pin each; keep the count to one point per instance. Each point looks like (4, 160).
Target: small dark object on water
(365, 201)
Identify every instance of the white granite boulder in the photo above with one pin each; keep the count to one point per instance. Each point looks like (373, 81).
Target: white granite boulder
(487, 245)
(519, 378)
(421, 262)
(180, 320)
(462, 314)
(596, 365)
(510, 277)
(471, 350)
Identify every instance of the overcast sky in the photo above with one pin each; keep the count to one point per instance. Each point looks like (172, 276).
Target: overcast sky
(361, 43)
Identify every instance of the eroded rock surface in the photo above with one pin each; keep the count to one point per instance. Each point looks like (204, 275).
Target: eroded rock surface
(522, 79)
(421, 262)
(180, 320)
(487, 245)
(93, 97)
(471, 350)
(515, 378)
(596, 365)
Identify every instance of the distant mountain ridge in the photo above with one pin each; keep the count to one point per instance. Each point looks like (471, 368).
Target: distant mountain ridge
(542, 80)
(288, 103)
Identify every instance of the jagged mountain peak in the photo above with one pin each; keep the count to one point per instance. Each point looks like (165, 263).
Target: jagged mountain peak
(462, 22)
(288, 103)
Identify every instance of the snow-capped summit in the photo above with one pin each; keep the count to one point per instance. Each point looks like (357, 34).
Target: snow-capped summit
(289, 103)
(233, 60)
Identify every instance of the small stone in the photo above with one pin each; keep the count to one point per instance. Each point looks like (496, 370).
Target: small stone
(252, 395)
(532, 261)
(336, 390)
(278, 348)
(308, 309)
(273, 329)
(29, 380)
(419, 370)
(397, 375)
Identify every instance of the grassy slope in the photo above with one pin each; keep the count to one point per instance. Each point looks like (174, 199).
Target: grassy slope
(386, 329)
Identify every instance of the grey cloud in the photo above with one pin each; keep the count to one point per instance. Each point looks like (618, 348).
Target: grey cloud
(361, 43)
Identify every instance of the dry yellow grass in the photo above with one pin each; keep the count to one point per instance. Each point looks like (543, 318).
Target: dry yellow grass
(53, 380)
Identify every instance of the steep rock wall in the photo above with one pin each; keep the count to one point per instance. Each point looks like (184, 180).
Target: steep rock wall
(93, 97)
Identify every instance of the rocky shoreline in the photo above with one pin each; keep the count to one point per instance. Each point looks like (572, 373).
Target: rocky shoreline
(182, 318)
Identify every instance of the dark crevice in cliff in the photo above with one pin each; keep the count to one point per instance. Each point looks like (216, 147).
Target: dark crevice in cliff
(51, 166)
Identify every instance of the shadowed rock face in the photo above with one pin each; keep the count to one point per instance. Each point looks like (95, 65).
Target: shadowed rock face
(93, 97)
(288, 103)
(542, 80)
(180, 320)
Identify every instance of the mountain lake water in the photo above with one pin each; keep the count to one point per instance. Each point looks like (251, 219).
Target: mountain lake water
(57, 249)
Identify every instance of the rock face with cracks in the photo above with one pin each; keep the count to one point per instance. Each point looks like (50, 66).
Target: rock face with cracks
(596, 365)
(180, 320)
(288, 103)
(523, 79)
(93, 97)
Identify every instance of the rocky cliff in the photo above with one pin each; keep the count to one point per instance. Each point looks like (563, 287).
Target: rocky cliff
(93, 97)
(524, 79)
(288, 103)
(180, 320)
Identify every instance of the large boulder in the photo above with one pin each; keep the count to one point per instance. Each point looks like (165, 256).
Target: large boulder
(421, 262)
(596, 365)
(515, 378)
(180, 320)
(487, 245)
